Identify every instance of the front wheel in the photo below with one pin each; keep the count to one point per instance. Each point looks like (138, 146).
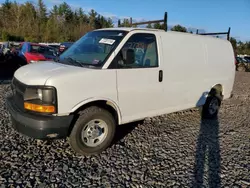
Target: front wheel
(93, 131)
(211, 107)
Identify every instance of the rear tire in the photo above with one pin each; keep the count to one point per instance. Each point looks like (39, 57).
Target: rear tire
(93, 131)
(241, 68)
(211, 108)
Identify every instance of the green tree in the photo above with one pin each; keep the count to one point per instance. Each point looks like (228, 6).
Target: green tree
(5, 36)
(179, 28)
(241, 47)
(42, 11)
(119, 23)
(5, 15)
(158, 26)
(234, 43)
(41, 19)
(33, 22)
(149, 26)
(92, 18)
(107, 23)
(125, 23)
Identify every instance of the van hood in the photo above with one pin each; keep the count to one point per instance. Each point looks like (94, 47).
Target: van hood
(39, 73)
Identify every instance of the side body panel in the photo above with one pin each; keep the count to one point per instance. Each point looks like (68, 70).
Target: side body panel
(184, 70)
(220, 56)
(193, 65)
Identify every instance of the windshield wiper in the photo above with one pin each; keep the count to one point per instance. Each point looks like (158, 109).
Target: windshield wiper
(73, 61)
(90, 64)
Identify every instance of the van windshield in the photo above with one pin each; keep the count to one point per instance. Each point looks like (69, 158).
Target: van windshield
(92, 49)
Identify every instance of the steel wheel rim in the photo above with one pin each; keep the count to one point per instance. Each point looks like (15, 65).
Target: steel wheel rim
(94, 132)
(241, 68)
(213, 106)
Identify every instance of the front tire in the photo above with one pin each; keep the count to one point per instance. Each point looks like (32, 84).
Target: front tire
(93, 131)
(211, 108)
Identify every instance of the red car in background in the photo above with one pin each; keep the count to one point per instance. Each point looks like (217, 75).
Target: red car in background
(33, 52)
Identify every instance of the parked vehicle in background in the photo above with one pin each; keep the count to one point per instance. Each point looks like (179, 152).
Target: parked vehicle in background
(10, 61)
(242, 64)
(6, 48)
(54, 46)
(247, 58)
(64, 46)
(33, 52)
(115, 76)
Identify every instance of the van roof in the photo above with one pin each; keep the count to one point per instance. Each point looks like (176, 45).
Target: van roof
(159, 30)
(131, 29)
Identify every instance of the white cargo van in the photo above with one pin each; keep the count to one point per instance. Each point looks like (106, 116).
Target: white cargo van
(119, 75)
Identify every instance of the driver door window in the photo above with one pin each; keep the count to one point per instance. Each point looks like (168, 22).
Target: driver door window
(140, 51)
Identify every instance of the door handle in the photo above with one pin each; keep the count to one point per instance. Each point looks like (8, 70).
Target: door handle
(160, 76)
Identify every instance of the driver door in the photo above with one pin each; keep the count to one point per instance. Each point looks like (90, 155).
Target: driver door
(139, 78)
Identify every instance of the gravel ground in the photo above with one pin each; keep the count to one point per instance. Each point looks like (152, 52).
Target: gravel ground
(176, 150)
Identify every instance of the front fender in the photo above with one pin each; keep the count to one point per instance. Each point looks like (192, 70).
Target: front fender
(110, 102)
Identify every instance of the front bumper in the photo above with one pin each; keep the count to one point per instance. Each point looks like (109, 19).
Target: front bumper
(38, 126)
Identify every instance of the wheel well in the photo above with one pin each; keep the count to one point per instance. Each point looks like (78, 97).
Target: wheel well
(100, 103)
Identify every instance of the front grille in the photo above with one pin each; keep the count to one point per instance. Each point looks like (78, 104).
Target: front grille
(18, 90)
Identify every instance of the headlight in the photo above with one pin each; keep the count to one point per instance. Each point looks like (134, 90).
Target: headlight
(40, 99)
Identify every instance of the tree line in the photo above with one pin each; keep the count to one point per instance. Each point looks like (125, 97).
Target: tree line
(240, 47)
(34, 22)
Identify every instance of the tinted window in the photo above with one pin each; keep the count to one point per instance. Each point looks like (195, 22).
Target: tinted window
(140, 51)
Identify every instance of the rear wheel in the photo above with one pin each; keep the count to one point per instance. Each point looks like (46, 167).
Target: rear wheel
(241, 68)
(93, 131)
(211, 107)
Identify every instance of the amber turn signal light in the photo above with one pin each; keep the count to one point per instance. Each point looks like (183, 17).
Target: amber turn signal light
(39, 108)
